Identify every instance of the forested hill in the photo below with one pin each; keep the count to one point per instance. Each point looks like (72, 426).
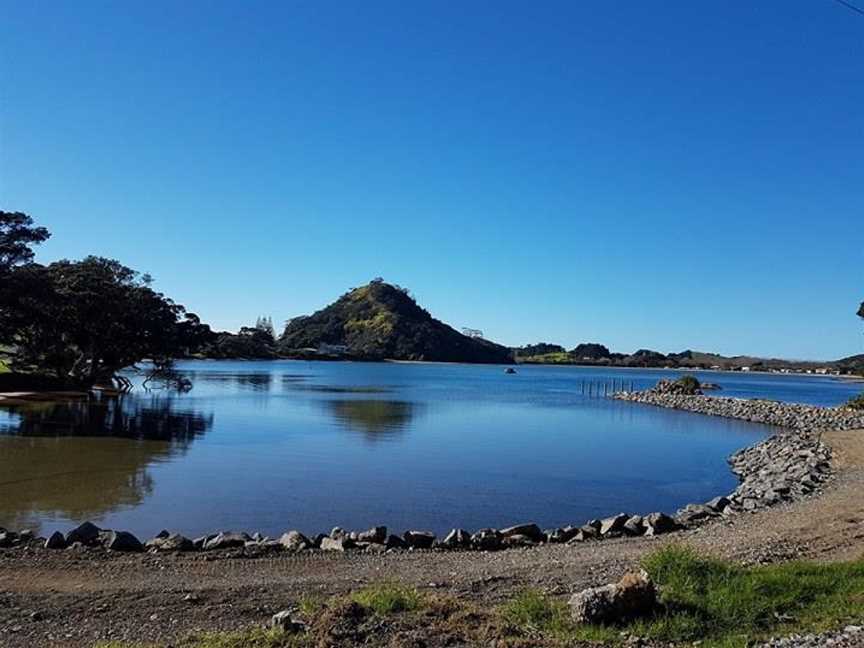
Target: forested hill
(382, 321)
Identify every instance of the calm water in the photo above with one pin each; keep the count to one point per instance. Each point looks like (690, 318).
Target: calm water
(275, 445)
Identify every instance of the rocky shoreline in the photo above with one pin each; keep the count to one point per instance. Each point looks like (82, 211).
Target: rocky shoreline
(788, 466)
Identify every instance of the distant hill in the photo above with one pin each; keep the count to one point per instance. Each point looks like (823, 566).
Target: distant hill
(593, 354)
(381, 321)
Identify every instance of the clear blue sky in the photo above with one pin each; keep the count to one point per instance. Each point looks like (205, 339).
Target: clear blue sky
(671, 175)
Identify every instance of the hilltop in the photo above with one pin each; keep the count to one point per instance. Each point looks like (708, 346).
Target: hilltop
(381, 321)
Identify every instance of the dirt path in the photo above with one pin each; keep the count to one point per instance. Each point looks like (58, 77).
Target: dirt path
(62, 598)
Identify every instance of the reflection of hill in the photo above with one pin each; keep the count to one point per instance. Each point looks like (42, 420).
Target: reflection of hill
(376, 419)
(54, 463)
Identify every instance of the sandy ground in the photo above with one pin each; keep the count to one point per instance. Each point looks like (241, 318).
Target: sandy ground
(65, 598)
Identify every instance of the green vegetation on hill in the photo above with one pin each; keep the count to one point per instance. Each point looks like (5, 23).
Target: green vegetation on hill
(381, 321)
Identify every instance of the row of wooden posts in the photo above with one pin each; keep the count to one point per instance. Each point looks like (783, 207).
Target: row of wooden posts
(597, 388)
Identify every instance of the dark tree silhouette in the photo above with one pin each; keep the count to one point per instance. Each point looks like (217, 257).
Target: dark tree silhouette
(87, 320)
(17, 236)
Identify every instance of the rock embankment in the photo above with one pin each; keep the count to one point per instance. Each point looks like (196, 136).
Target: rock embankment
(790, 465)
(793, 416)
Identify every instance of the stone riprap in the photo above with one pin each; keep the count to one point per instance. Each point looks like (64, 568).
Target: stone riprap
(793, 416)
(790, 465)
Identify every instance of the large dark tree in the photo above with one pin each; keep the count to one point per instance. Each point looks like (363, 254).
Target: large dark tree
(87, 320)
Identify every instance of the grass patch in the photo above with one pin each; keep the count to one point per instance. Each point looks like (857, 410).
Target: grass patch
(388, 598)
(724, 604)
(536, 614)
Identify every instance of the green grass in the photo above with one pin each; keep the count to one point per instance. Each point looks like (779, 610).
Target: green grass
(726, 605)
(4, 368)
(536, 614)
(388, 598)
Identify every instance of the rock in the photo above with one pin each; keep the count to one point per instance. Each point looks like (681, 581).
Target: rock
(164, 533)
(693, 513)
(395, 542)
(590, 531)
(718, 504)
(337, 533)
(517, 541)
(456, 539)
(634, 596)
(294, 541)
(336, 544)
(316, 541)
(634, 526)
(419, 539)
(286, 621)
(658, 523)
(170, 542)
(25, 536)
(594, 605)
(123, 541)
(613, 526)
(561, 535)
(198, 543)
(56, 541)
(531, 531)
(486, 540)
(226, 540)
(7, 538)
(376, 534)
(86, 533)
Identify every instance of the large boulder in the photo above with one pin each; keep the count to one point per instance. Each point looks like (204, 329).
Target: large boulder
(56, 541)
(170, 542)
(486, 540)
(632, 597)
(419, 539)
(658, 523)
(86, 533)
(227, 540)
(123, 541)
(613, 526)
(531, 531)
(456, 539)
(336, 544)
(294, 541)
(377, 535)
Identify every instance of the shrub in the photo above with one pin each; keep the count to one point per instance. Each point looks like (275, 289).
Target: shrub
(689, 384)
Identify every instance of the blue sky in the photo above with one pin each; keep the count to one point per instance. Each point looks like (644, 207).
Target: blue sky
(668, 175)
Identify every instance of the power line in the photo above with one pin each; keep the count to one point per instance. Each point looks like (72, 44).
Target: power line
(849, 5)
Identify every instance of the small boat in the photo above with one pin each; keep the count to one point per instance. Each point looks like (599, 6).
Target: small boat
(509, 370)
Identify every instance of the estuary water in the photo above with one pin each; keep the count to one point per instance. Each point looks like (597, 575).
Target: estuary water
(275, 445)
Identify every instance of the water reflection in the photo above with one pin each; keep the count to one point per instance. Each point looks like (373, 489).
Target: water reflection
(255, 380)
(82, 460)
(375, 419)
(129, 417)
